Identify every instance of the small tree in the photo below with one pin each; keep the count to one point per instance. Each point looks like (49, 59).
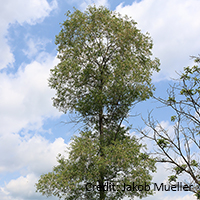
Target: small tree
(181, 148)
(105, 68)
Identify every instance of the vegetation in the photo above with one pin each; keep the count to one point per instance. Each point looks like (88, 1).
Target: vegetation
(105, 69)
(181, 147)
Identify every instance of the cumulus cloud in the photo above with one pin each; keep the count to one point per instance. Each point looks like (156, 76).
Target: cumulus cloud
(25, 11)
(20, 11)
(33, 156)
(29, 154)
(173, 25)
(6, 57)
(24, 186)
(25, 103)
(25, 96)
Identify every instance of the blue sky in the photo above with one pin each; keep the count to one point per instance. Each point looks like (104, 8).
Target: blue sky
(32, 133)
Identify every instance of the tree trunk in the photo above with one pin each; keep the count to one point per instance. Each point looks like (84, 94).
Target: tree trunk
(101, 137)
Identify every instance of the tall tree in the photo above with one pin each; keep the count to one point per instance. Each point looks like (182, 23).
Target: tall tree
(105, 68)
(181, 146)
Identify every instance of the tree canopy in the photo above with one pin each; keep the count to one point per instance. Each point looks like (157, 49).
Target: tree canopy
(105, 68)
(105, 64)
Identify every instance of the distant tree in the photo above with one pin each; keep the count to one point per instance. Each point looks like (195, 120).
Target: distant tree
(181, 148)
(105, 68)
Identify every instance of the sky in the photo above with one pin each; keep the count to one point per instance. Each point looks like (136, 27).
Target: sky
(32, 132)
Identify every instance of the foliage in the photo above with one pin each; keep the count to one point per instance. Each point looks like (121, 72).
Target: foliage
(123, 163)
(181, 147)
(105, 64)
(105, 68)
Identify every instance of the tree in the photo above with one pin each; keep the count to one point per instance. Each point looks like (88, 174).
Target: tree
(181, 147)
(105, 68)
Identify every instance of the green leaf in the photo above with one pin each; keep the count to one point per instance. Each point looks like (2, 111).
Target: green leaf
(172, 178)
(173, 118)
(162, 143)
(194, 163)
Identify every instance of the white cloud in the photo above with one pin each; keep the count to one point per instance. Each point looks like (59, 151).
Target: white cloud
(26, 11)
(174, 27)
(33, 156)
(20, 11)
(25, 102)
(25, 97)
(29, 154)
(34, 46)
(6, 57)
(22, 188)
